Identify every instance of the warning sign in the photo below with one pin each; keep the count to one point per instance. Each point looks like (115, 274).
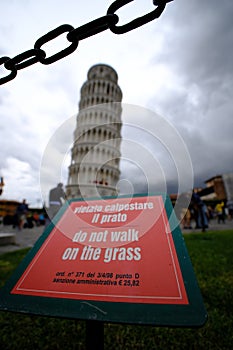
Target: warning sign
(108, 252)
(117, 250)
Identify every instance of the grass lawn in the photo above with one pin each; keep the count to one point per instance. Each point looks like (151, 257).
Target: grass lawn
(212, 257)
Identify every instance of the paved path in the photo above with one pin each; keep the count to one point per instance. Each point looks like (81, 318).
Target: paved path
(27, 237)
(213, 226)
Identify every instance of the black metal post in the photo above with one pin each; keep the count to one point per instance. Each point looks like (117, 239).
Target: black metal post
(94, 335)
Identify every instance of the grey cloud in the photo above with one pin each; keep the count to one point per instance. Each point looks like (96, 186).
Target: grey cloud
(197, 48)
(201, 42)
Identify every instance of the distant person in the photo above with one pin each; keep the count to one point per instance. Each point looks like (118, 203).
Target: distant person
(29, 221)
(220, 210)
(21, 214)
(230, 209)
(56, 199)
(41, 219)
(186, 221)
(200, 212)
(36, 218)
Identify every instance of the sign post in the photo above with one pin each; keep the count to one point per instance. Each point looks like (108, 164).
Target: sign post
(94, 335)
(111, 260)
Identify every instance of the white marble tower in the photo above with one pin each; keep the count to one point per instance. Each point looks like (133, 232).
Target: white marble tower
(95, 156)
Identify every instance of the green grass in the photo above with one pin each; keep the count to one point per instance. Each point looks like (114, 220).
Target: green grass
(212, 257)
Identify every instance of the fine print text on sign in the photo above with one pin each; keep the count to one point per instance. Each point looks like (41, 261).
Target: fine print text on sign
(112, 255)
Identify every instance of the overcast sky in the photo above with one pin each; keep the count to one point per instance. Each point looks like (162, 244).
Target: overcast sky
(178, 67)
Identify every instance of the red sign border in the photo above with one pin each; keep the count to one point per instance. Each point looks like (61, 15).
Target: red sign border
(193, 314)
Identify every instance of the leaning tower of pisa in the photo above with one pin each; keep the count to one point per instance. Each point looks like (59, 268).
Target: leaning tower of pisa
(95, 155)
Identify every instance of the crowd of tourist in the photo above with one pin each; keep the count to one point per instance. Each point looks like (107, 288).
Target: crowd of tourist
(200, 214)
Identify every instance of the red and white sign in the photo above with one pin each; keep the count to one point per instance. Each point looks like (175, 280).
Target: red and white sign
(114, 250)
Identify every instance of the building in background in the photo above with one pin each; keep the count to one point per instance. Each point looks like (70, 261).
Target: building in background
(228, 184)
(95, 155)
(8, 210)
(219, 187)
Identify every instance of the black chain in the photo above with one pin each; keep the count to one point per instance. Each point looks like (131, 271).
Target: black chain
(108, 21)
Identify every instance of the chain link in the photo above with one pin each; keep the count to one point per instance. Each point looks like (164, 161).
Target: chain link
(52, 35)
(27, 58)
(92, 28)
(108, 21)
(138, 22)
(10, 76)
